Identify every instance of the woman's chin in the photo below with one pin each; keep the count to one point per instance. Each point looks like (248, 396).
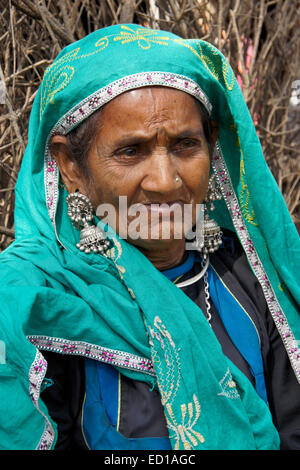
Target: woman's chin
(160, 242)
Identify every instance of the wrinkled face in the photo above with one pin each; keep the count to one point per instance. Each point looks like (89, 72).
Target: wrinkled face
(150, 148)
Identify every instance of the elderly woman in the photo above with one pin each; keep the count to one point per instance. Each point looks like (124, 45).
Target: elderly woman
(128, 322)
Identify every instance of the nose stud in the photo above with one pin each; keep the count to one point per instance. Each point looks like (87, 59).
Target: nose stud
(177, 179)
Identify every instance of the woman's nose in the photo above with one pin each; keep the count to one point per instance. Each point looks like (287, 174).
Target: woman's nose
(161, 173)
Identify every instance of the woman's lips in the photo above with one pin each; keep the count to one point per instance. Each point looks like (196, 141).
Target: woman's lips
(163, 208)
(157, 220)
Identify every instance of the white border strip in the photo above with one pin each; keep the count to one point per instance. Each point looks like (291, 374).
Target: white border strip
(36, 375)
(92, 351)
(234, 209)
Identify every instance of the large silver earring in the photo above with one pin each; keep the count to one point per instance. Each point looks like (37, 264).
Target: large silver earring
(210, 236)
(80, 211)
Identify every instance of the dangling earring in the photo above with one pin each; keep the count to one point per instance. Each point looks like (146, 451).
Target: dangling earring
(80, 211)
(209, 238)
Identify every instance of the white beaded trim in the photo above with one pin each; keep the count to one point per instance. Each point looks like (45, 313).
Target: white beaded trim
(233, 206)
(92, 351)
(37, 373)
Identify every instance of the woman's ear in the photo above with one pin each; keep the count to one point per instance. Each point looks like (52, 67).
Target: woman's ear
(69, 170)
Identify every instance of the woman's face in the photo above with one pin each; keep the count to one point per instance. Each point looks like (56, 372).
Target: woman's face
(151, 148)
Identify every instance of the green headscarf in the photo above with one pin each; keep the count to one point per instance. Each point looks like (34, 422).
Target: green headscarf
(120, 309)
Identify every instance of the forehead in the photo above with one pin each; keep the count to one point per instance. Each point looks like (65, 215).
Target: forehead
(151, 106)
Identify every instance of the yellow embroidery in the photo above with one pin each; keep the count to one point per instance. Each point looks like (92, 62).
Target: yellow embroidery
(143, 37)
(169, 384)
(56, 78)
(281, 285)
(244, 196)
(103, 43)
(114, 254)
(59, 74)
(219, 68)
(228, 75)
(184, 432)
(208, 63)
(188, 46)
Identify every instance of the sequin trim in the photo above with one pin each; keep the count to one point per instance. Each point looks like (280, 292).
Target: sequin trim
(37, 373)
(92, 351)
(93, 102)
(279, 317)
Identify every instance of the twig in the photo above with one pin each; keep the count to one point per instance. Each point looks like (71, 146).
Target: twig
(240, 50)
(42, 8)
(127, 11)
(257, 36)
(4, 190)
(7, 231)
(116, 20)
(66, 19)
(13, 114)
(20, 72)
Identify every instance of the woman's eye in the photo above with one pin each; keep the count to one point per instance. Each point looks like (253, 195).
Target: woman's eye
(190, 143)
(127, 152)
(130, 152)
(186, 144)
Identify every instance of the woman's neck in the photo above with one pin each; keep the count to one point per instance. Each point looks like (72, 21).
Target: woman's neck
(165, 256)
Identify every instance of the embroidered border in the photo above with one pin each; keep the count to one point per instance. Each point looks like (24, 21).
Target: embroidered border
(89, 105)
(37, 373)
(92, 351)
(85, 108)
(279, 318)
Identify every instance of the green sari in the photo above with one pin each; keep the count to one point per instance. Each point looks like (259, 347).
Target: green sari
(120, 309)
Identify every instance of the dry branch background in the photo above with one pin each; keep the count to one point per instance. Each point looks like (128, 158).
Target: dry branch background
(260, 38)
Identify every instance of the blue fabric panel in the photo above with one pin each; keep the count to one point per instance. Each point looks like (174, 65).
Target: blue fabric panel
(108, 380)
(240, 329)
(193, 256)
(183, 268)
(234, 318)
(98, 430)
